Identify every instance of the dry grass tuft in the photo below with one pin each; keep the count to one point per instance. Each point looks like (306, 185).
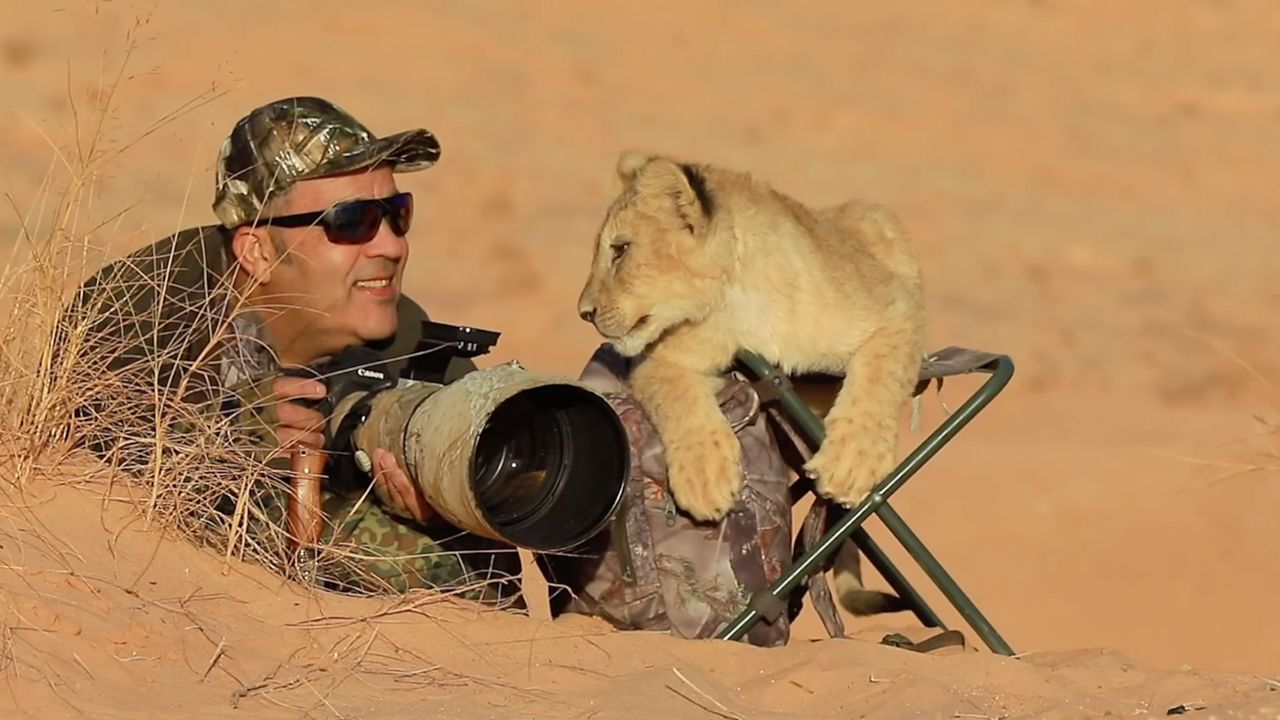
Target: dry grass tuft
(1260, 451)
(1264, 453)
(6, 649)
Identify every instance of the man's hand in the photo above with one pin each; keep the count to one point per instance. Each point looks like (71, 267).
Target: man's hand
(398, 492)
(298, 424)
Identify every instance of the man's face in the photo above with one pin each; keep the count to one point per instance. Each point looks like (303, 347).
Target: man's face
(337, 295)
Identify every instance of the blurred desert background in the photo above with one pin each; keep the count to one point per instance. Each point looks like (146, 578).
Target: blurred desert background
(1092, 189)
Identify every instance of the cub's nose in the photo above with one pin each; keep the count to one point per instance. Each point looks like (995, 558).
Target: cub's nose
(587, 314)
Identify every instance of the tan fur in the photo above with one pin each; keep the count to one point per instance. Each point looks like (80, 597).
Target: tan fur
(834, 290)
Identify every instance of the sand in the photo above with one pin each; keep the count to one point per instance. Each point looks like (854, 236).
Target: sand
(1091, 190)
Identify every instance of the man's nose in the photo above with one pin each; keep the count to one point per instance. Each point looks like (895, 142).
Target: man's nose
(386, 243)
(587, 314)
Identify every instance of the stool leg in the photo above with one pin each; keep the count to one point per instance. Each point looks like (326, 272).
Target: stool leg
(943, 580)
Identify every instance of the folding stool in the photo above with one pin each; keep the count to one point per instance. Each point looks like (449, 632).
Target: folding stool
(775, 387)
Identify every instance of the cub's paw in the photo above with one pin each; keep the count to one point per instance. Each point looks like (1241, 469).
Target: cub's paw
(849, 465)
(705, 473)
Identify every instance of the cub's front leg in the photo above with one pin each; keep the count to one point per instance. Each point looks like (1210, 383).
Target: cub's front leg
(704, 457)
(862, 427)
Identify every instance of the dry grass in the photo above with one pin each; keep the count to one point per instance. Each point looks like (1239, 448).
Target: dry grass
(1259, 453)
(63, 379)
(1263, 447)
(6, 649)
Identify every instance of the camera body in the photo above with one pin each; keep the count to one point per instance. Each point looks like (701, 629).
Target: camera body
(357, 374)
(534, 460)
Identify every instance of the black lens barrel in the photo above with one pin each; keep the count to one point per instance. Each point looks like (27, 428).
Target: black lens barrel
(550, 467)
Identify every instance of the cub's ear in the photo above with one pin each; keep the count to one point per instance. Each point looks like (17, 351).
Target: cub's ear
(630, 163)
(685, 187)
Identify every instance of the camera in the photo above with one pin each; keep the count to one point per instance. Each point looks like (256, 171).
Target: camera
(531, 459)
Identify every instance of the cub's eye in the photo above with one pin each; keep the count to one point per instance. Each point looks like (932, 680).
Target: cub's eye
(619, 249)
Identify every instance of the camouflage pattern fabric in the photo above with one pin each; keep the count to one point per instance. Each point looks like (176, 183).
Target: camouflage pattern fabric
(393, 554)
(253, 413)
(657, 569)
(297, 138)
(816, 523)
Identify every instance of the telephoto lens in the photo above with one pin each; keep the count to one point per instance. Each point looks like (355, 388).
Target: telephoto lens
(535, 460)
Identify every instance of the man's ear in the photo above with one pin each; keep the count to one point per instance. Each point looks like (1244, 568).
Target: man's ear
(685, 189)
(255, 252)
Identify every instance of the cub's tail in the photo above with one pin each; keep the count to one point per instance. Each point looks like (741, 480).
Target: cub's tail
(857, 599)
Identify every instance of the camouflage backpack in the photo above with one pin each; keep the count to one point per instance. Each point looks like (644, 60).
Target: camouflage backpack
(654, 568)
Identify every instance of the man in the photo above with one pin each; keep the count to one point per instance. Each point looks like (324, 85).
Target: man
(308, 259)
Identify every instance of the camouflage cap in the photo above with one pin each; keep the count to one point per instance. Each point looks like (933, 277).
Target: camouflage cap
(297, 138)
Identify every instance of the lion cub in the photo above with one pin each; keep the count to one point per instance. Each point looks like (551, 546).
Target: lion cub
(695, 262)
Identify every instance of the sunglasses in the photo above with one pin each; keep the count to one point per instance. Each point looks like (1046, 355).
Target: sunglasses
(355, 222)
